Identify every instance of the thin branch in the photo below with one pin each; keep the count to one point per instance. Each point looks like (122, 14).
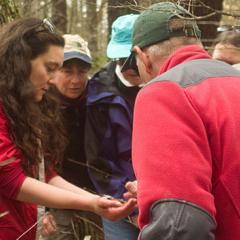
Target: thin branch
(190, 3)
(219, 11)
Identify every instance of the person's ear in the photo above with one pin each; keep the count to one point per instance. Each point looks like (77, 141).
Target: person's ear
(144, 58)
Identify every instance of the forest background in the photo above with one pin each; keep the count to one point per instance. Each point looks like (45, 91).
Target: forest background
(92, 19)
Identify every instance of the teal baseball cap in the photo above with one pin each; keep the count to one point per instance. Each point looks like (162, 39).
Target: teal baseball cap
(152, 26)
(121, 37)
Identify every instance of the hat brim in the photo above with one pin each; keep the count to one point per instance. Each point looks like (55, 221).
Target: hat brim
(130, 63)
(115, 51)
(78, 55)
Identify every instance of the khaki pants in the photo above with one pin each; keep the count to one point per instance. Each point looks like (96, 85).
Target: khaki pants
(76, 225)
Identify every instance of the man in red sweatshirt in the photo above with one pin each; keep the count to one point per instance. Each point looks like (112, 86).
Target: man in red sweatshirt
(186, 148)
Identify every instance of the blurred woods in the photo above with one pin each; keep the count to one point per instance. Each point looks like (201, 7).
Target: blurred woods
(92, 19)
(8, 11)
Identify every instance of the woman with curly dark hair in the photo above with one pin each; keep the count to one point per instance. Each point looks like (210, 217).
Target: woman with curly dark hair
(31, 134)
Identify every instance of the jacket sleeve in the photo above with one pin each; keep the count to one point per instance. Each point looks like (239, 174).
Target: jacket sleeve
(11, 172)
(108, 148)
(171, 156)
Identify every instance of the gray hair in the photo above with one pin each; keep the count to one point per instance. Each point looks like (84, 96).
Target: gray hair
(165, 48)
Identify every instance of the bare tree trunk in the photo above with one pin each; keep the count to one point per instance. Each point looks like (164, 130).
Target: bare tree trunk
(26, 8)
(74, 24)
(92, 24)
(45, 10)
(83, 31)
(59, 15)
(233, 7)
(102, 27)
(208, 25)
(116, 8)
(8, 11)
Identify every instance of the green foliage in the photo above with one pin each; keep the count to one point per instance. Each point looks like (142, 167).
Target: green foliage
(8, 11)
(98, 61)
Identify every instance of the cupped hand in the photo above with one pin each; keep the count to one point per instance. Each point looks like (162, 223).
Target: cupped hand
(113, 209)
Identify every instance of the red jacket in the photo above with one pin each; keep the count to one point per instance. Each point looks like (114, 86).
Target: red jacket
(186, 140)
(19, 216)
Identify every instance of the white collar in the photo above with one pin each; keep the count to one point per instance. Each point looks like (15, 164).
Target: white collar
(121, 77)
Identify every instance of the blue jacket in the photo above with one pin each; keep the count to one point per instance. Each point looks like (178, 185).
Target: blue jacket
(109, 131)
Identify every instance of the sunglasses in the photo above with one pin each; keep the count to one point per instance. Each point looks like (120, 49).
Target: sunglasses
(45, 25)
(121, 61)
(130, 63)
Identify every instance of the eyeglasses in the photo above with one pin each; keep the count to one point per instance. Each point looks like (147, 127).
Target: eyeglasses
(226, 28)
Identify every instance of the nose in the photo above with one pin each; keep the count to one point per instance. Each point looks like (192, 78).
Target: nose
(52, 78)
(76, 78)
(51, 81)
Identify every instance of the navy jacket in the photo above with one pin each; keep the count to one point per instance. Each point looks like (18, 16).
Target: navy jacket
(109, 131)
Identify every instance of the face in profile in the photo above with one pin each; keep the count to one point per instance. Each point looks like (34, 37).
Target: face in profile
(71, 79)
(44, 68)
(227, 53)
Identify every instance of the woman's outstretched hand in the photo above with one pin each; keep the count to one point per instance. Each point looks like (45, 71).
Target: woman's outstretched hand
(113, 209)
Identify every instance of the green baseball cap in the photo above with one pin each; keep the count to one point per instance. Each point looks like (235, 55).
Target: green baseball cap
(152, 26)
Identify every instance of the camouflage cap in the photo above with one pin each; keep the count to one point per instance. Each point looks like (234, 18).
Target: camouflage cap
(76, 47)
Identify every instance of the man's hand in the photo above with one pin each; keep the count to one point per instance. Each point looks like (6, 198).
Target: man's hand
(132, 193)
(131, 190)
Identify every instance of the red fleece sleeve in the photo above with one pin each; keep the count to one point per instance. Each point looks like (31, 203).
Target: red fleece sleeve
(50, 173)
(11, 174)
(171, 156)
